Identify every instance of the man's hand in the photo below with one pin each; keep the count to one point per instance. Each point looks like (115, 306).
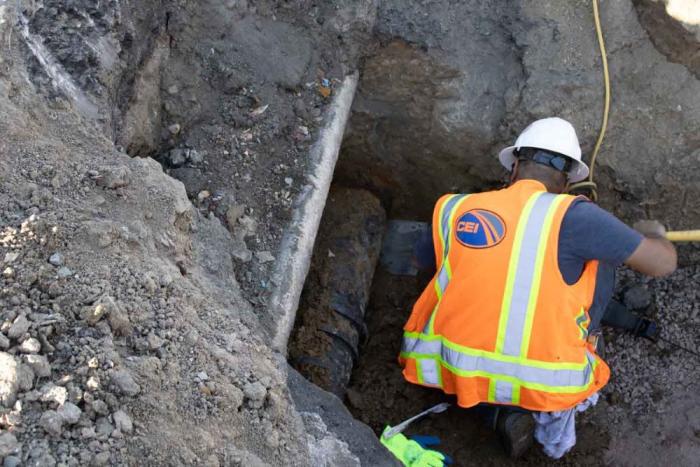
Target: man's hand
(650, 228)
(655, 256)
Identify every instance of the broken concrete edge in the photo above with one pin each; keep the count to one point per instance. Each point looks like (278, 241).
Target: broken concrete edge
(298, 243)
(333, 435)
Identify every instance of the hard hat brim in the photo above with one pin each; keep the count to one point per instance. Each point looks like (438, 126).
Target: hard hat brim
(577, 174)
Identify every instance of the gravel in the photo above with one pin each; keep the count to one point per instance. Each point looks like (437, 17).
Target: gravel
(70, 413)
(31, 345)
(125, 382)
(56, 259)
(19, 327)
(52, 394)
(646, 374)
(12, 461)
(39, 364)
(64, 272)
(52, 423)
(255, 394)
(123, 422)
(8, 444)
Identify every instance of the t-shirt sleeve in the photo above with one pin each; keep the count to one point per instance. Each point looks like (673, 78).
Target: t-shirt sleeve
(589, 232)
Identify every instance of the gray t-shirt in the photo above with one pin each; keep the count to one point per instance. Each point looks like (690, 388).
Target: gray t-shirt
(587, 233)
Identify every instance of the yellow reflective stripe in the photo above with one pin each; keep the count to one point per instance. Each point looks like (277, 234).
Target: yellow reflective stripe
(419, 372)
(512, 270)
(494, 356)
(441, 236)
(511, 379)
(582, 322)
(436, 283)
(516, 394)
(492, 390)
(441, 213)
(450, 221)
(431, 321)
(535, 290)
(446, 246)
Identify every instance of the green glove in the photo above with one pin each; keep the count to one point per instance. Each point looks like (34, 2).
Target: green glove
(410, 453)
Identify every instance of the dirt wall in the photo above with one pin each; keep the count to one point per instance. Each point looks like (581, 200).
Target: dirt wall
(449, 84)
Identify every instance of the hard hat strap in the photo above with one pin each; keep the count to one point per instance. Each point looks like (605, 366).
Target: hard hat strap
(549, 158)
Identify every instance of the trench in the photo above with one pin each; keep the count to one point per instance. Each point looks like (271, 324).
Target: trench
(362, 283)
(347, 335)
(348, 327)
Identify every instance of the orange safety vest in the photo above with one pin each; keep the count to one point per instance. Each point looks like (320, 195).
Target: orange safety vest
(498, 323)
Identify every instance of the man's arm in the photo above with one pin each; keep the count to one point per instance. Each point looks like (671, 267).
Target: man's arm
(655, 256)
(589, 232)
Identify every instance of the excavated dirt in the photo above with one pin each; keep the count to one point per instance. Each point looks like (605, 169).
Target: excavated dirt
(125, 337)
(153, 153)
(245, 103)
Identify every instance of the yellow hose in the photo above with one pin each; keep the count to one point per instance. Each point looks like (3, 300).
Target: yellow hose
(606, 110)
(675, 236)
(683, 236)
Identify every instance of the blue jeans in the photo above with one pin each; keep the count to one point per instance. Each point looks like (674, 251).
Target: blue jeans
(604, 288)
(606, 311)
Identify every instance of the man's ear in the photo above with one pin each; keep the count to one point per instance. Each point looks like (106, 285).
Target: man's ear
(514, 170)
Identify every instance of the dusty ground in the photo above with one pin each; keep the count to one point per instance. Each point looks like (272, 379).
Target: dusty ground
(125, 337)
(639, 421)
(249, 100)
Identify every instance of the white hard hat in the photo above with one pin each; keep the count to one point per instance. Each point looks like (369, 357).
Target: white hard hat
(552, 134)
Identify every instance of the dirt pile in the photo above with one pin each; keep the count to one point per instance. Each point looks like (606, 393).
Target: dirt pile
(244, 94)
(114, 348)
(125, 337)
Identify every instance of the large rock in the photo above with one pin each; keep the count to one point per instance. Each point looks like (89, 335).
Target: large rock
(334, 437)
(8, 444)
(8, 379)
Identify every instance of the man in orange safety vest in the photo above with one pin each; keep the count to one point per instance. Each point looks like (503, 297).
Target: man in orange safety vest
(523, 278)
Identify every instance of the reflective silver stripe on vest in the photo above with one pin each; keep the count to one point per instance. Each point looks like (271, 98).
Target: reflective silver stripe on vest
(429, 371)
(443, 277)
(521, 371)
(446, 228)
(504, 392)
(525, 274)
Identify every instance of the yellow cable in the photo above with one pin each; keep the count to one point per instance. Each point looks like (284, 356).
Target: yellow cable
(683, 236)
(606, 110)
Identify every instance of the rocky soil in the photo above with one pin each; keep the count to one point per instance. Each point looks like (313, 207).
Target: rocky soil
(648, 414)
(448, 85)
(153, 153)
(125, 338)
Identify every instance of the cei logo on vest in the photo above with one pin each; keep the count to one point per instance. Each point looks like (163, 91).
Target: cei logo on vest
(480, 228)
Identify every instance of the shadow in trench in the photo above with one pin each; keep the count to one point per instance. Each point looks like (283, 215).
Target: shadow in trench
(379, 396)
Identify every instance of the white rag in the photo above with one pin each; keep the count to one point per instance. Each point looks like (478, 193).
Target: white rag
(556, 431)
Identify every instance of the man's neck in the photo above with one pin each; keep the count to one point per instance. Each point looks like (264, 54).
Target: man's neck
(548, 187)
